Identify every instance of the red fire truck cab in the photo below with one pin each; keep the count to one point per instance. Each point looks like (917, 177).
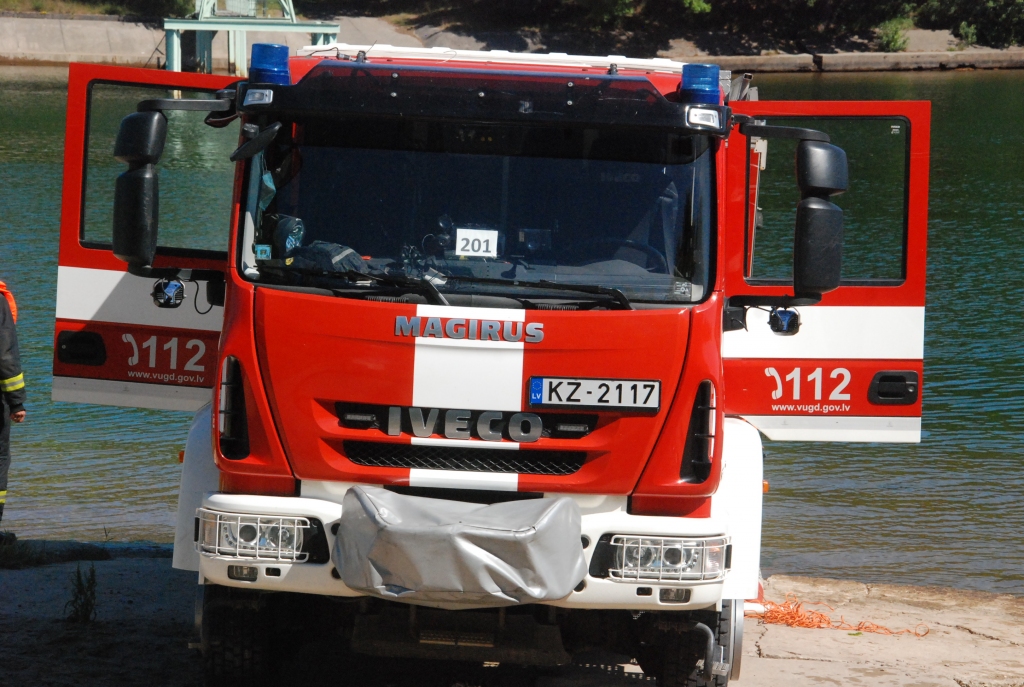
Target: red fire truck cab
(486, 352)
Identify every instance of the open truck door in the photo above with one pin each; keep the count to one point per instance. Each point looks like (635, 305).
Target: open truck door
(113, 343)
(848, 367)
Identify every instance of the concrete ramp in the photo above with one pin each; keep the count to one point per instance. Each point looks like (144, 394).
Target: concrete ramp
(60, 40)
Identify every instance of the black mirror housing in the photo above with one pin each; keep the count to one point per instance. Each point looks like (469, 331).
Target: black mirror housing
(821, 172)
(136, 213)
(140, 143)
(818, 247)
(140, 140)
(821, 169)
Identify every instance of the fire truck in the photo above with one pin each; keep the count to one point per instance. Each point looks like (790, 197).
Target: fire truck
(483, 362)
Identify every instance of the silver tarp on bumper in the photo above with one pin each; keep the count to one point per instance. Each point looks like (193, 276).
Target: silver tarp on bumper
(451, 554)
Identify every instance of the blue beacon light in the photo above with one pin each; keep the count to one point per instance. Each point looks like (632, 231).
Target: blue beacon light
(269, 64)
(699, 84)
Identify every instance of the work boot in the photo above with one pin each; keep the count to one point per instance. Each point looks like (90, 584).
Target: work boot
(7, 538)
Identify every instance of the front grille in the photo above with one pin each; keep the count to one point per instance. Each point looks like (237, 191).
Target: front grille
(373, 454)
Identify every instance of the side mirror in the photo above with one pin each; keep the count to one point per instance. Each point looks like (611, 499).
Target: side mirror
(140, 143)
(821, 172)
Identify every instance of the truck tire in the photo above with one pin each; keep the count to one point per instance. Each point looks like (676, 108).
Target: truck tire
(736, 644)
(235, 638)
(681, 653)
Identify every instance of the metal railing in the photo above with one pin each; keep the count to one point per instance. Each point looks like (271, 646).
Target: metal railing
(667, 559)
(243, 535)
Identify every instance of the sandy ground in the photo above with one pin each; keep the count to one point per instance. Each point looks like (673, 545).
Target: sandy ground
(144, 625)
(140, 636)
(974, 639)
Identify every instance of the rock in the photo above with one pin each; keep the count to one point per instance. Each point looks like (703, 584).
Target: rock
(30, 553)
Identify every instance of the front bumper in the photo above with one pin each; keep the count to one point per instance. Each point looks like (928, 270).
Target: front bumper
(600, 515)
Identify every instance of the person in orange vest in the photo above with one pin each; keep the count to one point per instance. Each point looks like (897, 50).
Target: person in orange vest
(12, 392)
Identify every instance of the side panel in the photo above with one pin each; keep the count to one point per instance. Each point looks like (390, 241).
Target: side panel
(199, 476)
(820, 384)
(738, 503)
(112, 345)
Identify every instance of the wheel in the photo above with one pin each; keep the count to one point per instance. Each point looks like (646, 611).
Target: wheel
(680, 652)
(234, 634)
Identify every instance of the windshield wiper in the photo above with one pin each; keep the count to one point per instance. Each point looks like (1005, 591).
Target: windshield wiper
(421, 284)
(615, 294)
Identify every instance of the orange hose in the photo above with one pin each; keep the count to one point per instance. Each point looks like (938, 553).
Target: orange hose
(791, 612)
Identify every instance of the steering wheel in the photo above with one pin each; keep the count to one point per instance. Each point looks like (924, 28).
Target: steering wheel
(661, 265)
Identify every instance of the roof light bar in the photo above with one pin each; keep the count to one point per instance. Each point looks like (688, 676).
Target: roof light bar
(700, 84)
(269, 64)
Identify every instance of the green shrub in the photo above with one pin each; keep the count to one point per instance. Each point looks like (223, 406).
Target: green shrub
(892, 35)
(968, 34)
(158, 8)
(797, 19)
(606, 12)
(610, 11)
(996, 23)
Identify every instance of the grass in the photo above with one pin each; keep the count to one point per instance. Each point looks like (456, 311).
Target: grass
(136, 8)
(81, 607)
(57, 7)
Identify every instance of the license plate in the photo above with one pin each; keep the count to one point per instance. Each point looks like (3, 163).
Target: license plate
(621, 394)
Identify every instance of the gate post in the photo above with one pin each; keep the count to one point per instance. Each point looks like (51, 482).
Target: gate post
(172, 45)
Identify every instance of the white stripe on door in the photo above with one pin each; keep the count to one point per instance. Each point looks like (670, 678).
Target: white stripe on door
(108, 296)
(851, 332)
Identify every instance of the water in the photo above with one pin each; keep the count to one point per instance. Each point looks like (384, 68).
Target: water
(943, 512)
(946, 511)
(79, 471)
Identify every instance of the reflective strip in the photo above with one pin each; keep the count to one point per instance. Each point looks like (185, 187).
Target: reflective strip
(458, 479)
(13, 384)
(3, 496)
(468, 373)
(465, 443)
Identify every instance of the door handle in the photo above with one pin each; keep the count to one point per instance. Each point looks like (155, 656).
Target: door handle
(894, 388)
(81, 348)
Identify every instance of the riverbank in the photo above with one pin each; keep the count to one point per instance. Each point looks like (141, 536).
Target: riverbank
(144, 625)
(33, 38)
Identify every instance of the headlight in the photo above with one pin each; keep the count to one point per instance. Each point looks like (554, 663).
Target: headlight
(703, 118)
(714, 557)
(252, 536)
(659, 558)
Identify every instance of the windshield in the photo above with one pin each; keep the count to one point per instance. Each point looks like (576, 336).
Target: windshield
(506, 211)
